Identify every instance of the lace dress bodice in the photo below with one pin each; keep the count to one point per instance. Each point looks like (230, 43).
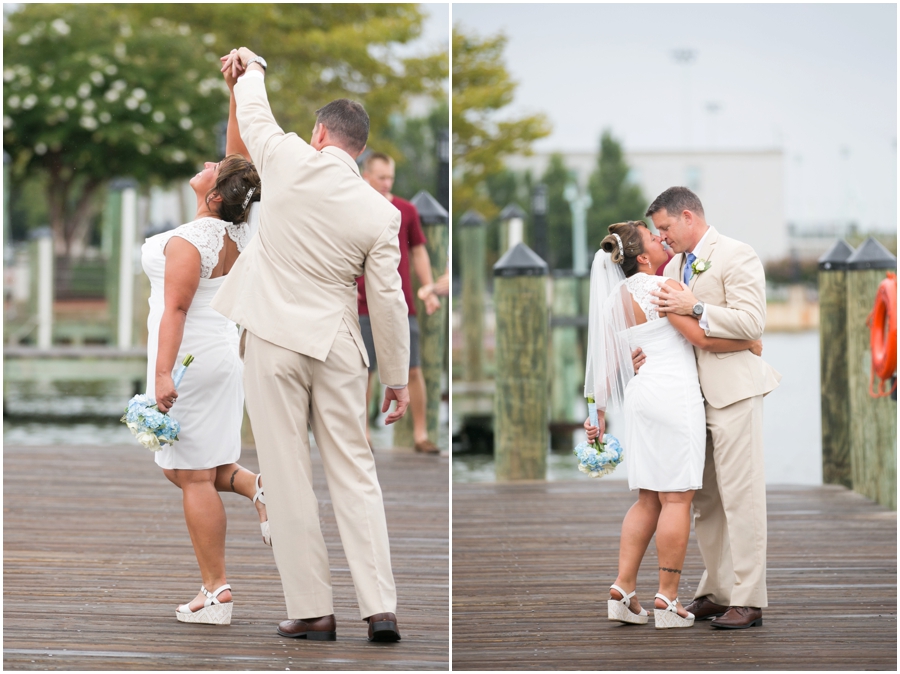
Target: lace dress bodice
(640, 286)
(208, 236)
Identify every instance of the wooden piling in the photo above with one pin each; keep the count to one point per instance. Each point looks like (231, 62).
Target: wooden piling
(42, 262)
(833, 365)
(433, 338)
(521, 405)
(434, 221)
(873, 421)
(472, 241)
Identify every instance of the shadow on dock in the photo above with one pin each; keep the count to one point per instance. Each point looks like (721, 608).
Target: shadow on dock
(532, 563)
(96, 556)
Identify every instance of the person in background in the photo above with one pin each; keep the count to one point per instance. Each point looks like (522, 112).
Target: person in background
(378, 171)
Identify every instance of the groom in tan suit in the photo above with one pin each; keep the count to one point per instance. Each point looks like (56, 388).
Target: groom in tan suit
(726, 293)
(293, 290)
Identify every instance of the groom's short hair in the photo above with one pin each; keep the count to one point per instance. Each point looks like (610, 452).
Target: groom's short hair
(347, 120)
(675, 200)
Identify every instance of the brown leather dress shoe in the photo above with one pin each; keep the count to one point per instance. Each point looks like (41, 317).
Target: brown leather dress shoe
(383, 627)
(739, 618)
(313, 629)
(704, 608)
(427, 447)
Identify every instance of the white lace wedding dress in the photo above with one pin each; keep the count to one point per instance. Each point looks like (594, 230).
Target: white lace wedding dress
(665, 420)
(210, 405)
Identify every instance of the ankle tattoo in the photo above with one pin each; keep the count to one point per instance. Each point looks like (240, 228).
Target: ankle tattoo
(232, 478)
(662, 568)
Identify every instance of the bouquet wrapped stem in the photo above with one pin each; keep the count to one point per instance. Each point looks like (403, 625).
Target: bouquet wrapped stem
(152, 428)
(600, 457)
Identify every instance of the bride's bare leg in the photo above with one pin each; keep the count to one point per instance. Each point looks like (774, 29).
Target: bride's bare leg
(671, 543)
(205, 518)
(232, 477)
(637, 530)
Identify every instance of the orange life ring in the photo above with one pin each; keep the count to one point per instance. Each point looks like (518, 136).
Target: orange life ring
(882, 324)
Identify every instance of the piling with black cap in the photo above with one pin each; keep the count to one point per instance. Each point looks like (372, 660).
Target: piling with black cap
(873, 421)
(833, 364)
(433, 328)
(521, 404)
(472, 262)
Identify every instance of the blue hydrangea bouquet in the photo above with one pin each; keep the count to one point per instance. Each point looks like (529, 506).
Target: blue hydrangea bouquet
(152, 428)
(598, 458)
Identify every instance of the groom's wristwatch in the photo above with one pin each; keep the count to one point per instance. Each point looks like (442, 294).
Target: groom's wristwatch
(257, 59)
(697, 310)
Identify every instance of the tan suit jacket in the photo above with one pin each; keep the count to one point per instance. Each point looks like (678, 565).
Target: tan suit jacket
(321, 227)
(734, 291)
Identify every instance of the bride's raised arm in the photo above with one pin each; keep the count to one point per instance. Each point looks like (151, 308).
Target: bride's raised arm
(234, 144)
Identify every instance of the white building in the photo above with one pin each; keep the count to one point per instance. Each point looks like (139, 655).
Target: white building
(742, 190)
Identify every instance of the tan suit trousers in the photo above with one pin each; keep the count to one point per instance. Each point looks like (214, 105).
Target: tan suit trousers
(284, 391)
(730, 510)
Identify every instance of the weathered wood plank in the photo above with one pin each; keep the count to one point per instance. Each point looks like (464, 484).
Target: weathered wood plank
(97, 555)
(532, 563)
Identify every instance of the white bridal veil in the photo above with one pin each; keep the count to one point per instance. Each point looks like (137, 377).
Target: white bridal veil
(609, 366)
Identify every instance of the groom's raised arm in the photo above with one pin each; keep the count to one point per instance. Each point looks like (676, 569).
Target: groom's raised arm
(259, 130)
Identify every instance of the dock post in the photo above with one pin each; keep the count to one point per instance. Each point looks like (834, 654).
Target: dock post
(472, 237)
(434, 219)
(126, 268)
(42, 284)
(521, 408)
(835, 400)
(873, 421)
(433, 333)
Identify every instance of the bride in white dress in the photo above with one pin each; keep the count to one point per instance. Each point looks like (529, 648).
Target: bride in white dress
(186, 266)
(665, 423)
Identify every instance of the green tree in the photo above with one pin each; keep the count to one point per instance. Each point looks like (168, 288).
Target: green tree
(559, 214)
(416, 157)
(614, 199)
(481, 140)
(90, 95)
(323, 51)
(96, 91)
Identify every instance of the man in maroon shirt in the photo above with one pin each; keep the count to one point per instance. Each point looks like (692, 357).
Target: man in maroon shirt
(378, 171)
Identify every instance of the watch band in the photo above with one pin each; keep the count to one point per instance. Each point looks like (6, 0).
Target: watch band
(257, 59)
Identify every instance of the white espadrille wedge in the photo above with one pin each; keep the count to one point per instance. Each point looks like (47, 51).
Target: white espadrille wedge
(619, 610)
(261, 497)
(213, 612)
(667, 618)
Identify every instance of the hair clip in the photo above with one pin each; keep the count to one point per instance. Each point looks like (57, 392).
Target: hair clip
(249, 194)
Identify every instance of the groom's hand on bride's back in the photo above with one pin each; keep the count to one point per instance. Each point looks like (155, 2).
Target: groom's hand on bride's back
(401, 396)
(637, 359)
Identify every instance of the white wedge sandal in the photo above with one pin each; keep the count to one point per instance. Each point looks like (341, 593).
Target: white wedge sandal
(213, 612)
(619, 610)
(667, 618)
(261, 497)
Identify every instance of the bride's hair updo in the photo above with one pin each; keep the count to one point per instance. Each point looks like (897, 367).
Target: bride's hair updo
(236, 178)
(631, 245)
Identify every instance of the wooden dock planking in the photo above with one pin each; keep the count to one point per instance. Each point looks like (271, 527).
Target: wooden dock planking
(532, 563)
(97, 555)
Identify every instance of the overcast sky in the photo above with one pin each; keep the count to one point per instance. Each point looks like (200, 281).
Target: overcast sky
(818, 81)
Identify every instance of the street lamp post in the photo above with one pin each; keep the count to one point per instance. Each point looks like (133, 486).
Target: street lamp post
(539, 213)
(579, 203)
(443, 174)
